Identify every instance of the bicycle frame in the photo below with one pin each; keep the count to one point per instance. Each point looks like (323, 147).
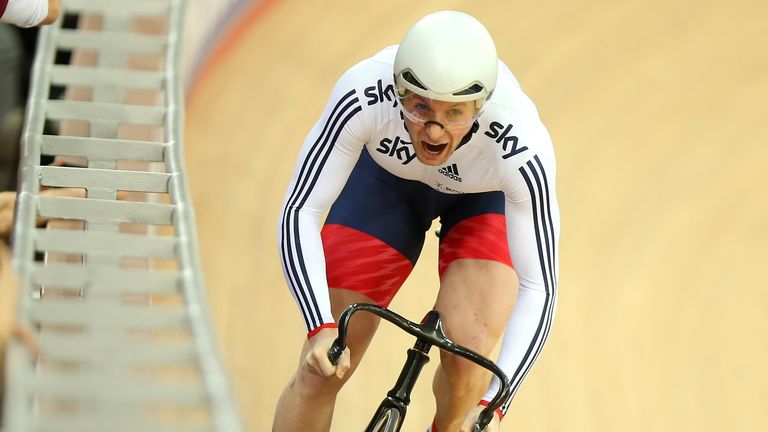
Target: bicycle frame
(428, 334)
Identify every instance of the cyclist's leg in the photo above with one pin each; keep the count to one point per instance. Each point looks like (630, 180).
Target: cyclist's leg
(475, 321)
(371, 242)
(307, 403)
(477, 293)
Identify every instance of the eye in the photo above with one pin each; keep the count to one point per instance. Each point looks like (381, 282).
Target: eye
(421, 106)
(422, 110)
(455, 113)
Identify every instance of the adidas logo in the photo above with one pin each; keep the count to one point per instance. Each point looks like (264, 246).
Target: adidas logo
(451, 171)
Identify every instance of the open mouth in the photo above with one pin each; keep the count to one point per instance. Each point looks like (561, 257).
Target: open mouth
(434, 148)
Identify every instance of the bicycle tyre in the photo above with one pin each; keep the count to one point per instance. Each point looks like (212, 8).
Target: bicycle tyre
(389, 421)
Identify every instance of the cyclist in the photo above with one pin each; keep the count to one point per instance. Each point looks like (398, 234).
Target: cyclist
(434, 127)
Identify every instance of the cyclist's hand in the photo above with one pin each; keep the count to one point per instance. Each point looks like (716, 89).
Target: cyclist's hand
(317, 357)
(471, 418)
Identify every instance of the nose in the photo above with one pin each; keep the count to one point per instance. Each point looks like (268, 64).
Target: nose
(434, 130)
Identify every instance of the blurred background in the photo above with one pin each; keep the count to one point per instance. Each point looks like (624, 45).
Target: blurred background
(657, 109)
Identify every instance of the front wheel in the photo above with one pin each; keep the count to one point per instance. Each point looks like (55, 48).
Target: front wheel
(388, 421)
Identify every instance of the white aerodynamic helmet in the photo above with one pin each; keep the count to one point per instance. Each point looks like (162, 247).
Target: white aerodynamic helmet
(448, 56)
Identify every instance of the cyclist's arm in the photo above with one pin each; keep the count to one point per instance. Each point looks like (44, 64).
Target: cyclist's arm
(533, 230)
(325, 161)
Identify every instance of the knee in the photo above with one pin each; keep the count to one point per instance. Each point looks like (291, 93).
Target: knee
(314, 387)
(463, 376)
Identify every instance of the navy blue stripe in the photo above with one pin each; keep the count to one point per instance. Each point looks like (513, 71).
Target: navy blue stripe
(285, 251)
(316, 169)
(545, 216)
(295, 221)
(311, 315)
(535, 210)
(545, 227)
(549, 234)
(332, 118)
(307, 178)
(550, 225)
(540, 204)
(302, 288)
(327, 151)
(552, 255)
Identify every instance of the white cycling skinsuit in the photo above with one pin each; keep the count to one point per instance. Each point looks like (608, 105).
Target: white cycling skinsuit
(510, 151)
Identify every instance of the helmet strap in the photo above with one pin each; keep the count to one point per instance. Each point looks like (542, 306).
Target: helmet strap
(475, 127)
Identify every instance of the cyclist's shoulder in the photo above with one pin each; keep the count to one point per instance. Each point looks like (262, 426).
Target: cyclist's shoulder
(511, 119)
(509, 101)
(369, 87)
(510, 135)
(373, 75)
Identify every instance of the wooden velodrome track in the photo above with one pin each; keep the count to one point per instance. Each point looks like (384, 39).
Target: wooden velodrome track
(657, 111)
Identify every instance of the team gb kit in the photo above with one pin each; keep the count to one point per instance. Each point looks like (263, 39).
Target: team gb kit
(508, 149)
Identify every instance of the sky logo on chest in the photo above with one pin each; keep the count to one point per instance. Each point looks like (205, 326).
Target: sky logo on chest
(450, 171)
(397, 148)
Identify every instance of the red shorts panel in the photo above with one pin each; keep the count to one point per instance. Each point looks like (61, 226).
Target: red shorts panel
(362, 263)
(479, 237)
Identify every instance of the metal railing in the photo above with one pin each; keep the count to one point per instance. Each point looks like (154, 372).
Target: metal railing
(111, 285)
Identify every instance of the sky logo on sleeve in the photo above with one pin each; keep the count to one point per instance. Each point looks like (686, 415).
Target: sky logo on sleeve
(380, 93)
(508, 142)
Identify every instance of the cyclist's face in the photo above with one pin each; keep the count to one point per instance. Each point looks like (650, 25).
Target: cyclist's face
(436, 127)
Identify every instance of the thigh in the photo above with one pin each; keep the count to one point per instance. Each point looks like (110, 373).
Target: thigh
(372, 236)
(478, 285)
(475, 301)
(474, 227)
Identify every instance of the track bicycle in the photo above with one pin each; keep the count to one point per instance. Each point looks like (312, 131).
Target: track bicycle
(390, 414)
